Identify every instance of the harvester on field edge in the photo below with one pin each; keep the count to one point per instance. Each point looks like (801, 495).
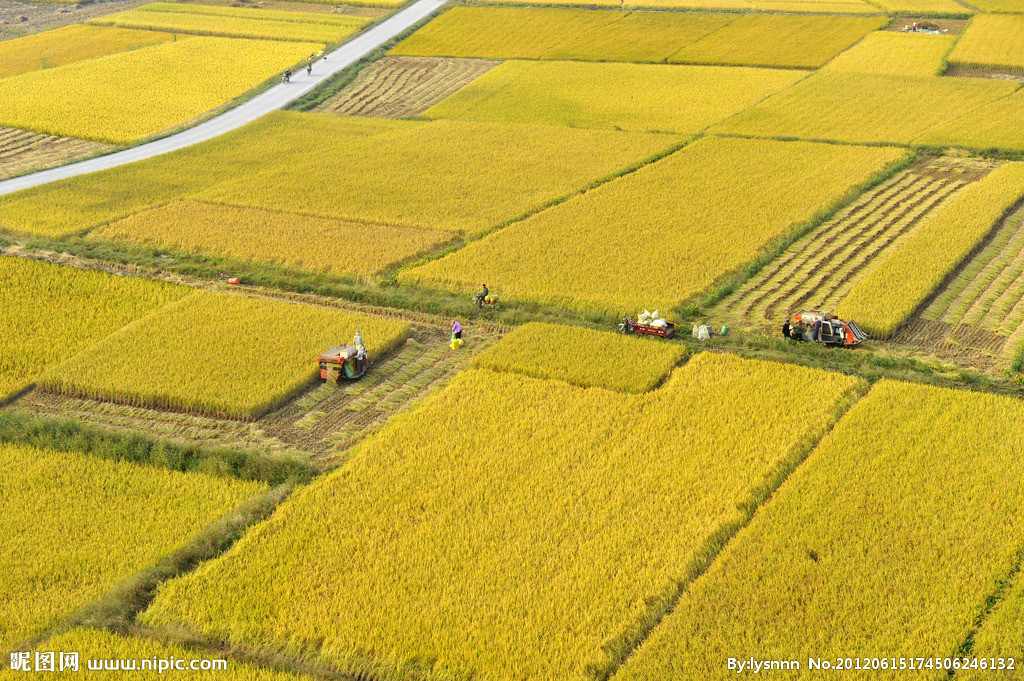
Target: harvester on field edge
(816, 326)
(347, 362)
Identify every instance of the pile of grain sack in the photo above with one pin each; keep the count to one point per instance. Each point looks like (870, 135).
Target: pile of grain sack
(651, 319)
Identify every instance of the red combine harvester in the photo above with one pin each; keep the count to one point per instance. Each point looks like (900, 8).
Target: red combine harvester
(345, 362)
(664, 330)
(817, 327)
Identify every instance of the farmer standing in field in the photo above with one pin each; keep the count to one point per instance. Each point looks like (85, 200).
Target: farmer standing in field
(357, 340)
(456, 329)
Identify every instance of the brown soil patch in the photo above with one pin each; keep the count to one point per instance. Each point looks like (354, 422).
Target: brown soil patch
(995, 74)
(22, 151)
(399, 87)
(966, 346)
(947, 26)
(23, 18)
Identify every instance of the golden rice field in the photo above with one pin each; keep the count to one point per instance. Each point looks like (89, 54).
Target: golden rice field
(479, 535)
(732, 39)
(70, 44)
(823, 7)
(927, 7)
(583, 357)
(890, 293)
(328, 19)
(642, 97)
(635, 37)
(101, 645)
(352, 248)
(68, 206)
(865, 108)
(503, 32)
(991, 41)
(245, 23)
(121, 98)
(887, 541)
(73, 526)
(1001, 634)
(596, 251)
(895, 54)
(1008, 6)
(50, 312)
(220, 354)
(447, 175)
(793, 41)
(384, 4)
(999, 125)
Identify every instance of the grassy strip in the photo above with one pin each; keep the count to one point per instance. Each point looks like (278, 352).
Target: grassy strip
(152, 260)
(69, 435)
(118, 608)
(731, 282)
(619, 649)
(1017, 363)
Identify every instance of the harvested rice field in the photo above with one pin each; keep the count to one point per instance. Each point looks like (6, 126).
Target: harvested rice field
(818, 270)
(22, 151)
(402, 87)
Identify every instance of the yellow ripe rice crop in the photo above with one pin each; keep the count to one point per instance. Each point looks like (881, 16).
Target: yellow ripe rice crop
(511, 527)
(824, 7)
(708, 5)
(754, 40)
(887, 541)
(666, 232)
(890, 293)
(991, 41)
(236, 26)
(643, 97)
(72, 526)
(448, 175)
(220, 354)
(70, 44)
(583, 357)
(358, 249)
(865, 108)
(927, 7)
(50, 312)
(100, 646)
(356, 3)
(502, 32)
(639, 36)
(999, 125)
(1001, 634)
(896, 54)
(79, 203)
(254, 14)
(1007, 6)
(122, 97)
(794, 41)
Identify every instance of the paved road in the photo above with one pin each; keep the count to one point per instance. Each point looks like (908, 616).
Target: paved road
(276, 97)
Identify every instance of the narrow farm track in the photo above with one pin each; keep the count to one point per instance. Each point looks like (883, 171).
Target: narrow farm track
(818, 270)
(276, 97)
(399, 87)
(22, 151)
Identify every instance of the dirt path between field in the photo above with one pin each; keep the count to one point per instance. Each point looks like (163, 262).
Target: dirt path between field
(275, 98)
